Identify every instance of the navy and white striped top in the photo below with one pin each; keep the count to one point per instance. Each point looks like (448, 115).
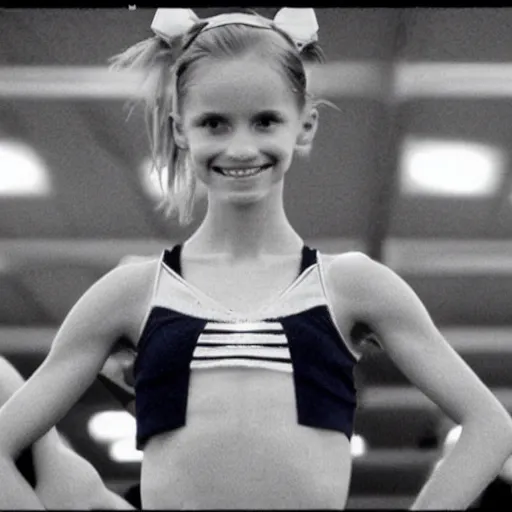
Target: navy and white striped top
(186, 331)
(250, 344)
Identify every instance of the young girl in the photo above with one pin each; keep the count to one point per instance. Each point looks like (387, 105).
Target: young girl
(246, 338)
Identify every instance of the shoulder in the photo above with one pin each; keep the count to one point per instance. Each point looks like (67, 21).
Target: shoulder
(369, 286)
(351, 271)
(114, 305)
(130, 275)
(123, 285)
(348, 259)
(136, 280)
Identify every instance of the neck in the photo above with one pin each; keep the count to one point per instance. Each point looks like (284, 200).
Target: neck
(245, 231)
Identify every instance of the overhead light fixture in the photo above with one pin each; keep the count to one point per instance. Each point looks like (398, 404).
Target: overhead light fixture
(124, 450)
(450, 168)
(117, 429)
(22, 171)
(111, 426)
(452, 437)
(150, 179)
(417, 79)
(154, 186)
(358, 446)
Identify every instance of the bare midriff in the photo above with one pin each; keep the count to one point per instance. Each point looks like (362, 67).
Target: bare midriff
(242, 447)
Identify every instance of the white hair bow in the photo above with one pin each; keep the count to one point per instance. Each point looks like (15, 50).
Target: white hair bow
(300, 24)
(171, 23)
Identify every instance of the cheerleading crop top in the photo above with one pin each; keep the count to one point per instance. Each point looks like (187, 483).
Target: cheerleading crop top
(186, 331)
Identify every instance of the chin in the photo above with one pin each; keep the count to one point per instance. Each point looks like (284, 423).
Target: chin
(243, 198)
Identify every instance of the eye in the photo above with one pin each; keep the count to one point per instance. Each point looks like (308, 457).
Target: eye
(268, 120)
(214, 124)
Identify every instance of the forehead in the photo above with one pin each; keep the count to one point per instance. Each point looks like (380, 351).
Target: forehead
(237, 86)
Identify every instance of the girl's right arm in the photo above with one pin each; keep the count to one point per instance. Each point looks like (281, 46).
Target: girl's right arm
(109, 309)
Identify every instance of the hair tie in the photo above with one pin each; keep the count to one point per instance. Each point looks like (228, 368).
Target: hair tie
(299, 24)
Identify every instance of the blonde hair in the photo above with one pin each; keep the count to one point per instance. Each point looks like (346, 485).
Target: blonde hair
(169, 63)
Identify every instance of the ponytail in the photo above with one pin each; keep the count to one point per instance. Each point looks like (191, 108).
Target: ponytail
(157, 59)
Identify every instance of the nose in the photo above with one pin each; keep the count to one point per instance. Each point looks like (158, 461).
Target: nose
(241, 147)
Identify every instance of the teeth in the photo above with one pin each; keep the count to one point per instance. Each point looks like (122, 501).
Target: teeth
(241, 173)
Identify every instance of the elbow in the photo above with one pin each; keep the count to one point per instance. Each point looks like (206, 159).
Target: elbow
(505, 428)
(495, 430)
(508, 434)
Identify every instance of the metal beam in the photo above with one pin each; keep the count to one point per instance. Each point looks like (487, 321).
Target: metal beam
(427, 256)
(394, 398)
(430, 256)
(16, 253)
(388, 130)
(338, 79)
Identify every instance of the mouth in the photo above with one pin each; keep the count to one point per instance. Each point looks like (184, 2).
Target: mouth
(246, 172)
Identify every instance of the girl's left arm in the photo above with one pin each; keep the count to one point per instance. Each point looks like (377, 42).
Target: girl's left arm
(404, 329)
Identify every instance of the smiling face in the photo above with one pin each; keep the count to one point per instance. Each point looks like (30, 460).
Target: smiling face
(241, 123)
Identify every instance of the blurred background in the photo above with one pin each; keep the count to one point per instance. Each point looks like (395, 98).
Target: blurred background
(414, 170)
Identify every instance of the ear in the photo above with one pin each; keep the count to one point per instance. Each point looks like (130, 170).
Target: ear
(308, 130)
(177, 131)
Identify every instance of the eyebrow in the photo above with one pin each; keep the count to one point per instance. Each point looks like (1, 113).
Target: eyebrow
(267, 112)
(207, 115)
(272, 113)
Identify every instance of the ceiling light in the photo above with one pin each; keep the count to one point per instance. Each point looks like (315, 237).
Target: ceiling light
(358, 446)
(124, 450)
(450, 168)
(111, 426)
(151, 182)
(156, 186)
(452, 437)
(22, 171)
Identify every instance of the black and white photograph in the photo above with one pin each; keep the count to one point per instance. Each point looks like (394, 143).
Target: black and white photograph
(255, 258)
